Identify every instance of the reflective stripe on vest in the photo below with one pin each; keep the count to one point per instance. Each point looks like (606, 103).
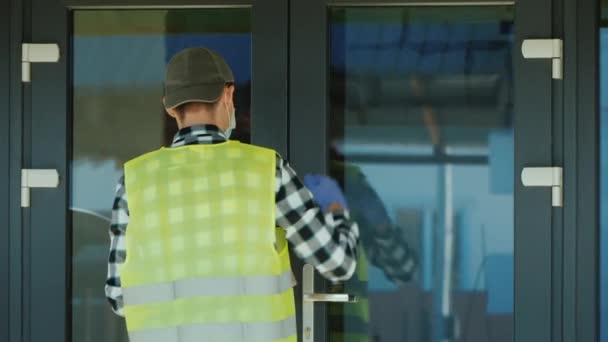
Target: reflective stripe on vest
(233, 331)
(211, 286)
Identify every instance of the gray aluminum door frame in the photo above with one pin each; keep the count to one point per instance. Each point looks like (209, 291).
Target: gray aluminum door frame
(581, 237)
(47, 135)
(4, 171)
(535, 93)
(12, 155)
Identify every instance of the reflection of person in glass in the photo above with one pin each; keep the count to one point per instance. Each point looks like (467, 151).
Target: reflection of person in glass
(383, 244)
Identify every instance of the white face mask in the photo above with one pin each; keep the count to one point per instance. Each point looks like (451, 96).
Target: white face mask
(232, 125)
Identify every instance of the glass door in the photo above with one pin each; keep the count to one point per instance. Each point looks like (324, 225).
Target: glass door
(425, 115)
(100, 106)
(119, 59)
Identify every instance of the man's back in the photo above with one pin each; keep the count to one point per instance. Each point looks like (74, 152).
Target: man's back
(202, 237)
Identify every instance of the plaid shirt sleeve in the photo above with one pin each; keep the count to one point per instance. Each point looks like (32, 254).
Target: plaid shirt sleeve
(328, 242)
(393, 256)
(117, 257)
(382, 240)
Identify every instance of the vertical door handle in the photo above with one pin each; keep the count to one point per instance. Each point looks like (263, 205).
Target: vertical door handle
(309, 298)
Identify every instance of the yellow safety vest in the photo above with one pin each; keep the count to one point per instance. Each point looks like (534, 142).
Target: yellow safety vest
(204, 261)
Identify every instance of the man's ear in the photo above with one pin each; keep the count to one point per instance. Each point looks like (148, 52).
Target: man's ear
(229, 93)
(170, 111)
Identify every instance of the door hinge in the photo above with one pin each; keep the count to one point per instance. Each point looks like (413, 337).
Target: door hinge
(38, 178)
(36, 53)
(547, 177)
(546, 49)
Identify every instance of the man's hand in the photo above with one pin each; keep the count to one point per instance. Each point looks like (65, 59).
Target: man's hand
(326, 192)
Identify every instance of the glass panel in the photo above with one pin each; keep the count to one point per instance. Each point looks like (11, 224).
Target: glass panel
(119, 61)
(422, 142)
(604, 172)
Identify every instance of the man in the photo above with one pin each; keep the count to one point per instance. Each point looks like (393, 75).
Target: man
(202, 259)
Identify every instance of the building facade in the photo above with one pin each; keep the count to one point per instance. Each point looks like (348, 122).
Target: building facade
(476, 131)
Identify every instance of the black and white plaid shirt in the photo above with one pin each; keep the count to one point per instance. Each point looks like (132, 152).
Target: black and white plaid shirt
(326, 241)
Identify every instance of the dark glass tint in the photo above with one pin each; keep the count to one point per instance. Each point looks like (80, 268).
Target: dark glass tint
(421, 131)
(119, 58)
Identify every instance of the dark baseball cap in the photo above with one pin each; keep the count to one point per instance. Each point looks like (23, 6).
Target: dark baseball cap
(196, 75)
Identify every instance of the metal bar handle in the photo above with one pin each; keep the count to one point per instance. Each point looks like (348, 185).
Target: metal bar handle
(309, 298)
(330, 297)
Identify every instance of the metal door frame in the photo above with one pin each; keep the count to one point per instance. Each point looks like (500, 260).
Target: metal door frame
(11, 157)
(586, 309)
(308, 80)
(582, 159)
(45, 233)
(4, 171)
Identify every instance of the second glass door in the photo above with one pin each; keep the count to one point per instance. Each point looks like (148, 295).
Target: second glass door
(420, 110)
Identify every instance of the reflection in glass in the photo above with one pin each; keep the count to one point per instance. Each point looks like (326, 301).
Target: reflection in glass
(604, 172)
(119, 61)
(421, 109)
